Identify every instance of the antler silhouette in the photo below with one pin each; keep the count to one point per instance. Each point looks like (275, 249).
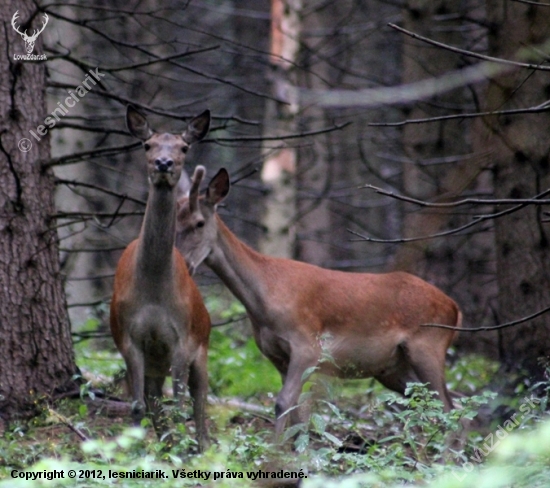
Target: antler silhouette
(29, 40)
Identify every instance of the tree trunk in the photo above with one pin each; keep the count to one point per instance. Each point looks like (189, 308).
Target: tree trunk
(440, 164)
(426, 173)
(520, 153)
(279, 169)
(35, 340)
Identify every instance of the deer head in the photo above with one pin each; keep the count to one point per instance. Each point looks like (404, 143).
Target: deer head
(196, 224)
(29, 40)
(166, 152)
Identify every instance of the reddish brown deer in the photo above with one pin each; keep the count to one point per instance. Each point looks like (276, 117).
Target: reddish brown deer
(370, 324)
(158, 319)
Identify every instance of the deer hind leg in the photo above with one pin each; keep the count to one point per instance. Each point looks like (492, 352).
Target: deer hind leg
(198, 389)
(416, 364)
(397, 377)
(429, 366)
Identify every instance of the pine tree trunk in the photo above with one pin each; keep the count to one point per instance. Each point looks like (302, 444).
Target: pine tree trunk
(35, 341)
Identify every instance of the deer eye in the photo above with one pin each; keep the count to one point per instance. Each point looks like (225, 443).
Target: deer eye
(147, 147)
(200, 224)
(184, 149)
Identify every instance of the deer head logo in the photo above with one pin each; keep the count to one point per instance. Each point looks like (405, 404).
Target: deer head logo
(29, 40)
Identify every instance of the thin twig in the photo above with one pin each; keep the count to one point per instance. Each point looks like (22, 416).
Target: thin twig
(494, 327)
(239, 318)
(65, 421)
(456, 230)
(297, 135)
(529, 2)
(122, 196)
(469, 53)
(94, 153)
(466, 201)
(543, 107)
(89, 304)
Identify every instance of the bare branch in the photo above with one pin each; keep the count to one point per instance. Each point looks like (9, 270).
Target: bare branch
(472, 54)
(475, 221)
(297, 135)
(239, 318)
(90, 304)
(543, 107)
(458, 203)
(64, 420)
(94, 153)
(529, 2)
(60, 181)
(494, 327)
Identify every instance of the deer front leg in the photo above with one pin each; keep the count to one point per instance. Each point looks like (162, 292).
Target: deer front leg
(135, 366)
(290, 393)
(153, 399)
(198, 389)
(180, 375)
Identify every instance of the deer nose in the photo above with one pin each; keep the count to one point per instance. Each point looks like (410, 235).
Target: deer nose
(163, 164)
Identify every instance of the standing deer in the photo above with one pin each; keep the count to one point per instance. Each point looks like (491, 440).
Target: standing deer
(370, 324)
(29, 40)
(158, 319)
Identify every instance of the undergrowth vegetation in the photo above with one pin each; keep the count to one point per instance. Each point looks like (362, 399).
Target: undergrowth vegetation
(357, 434)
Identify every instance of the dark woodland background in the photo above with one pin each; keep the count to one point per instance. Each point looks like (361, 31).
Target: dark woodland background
(305, 120)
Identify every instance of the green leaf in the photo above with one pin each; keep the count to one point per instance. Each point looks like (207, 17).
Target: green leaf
(293, 430)
(308, 372)
(83, 410)
(302, 442)
(337, 442)
(318, 423)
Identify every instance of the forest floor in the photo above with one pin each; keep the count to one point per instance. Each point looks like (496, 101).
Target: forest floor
(357, 433)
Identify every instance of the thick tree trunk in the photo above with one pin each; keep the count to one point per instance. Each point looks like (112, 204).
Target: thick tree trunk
(520, 152)
(426, 146)
(440, 164)
(35, 341)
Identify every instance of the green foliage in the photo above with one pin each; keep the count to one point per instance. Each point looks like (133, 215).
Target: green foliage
(237, 367)
(103, 362)
(470, 373)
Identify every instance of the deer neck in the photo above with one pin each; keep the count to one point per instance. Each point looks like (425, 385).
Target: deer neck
(156, 241)
(242, 269)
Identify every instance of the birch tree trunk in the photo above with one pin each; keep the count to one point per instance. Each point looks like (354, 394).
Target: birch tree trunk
(279, 169)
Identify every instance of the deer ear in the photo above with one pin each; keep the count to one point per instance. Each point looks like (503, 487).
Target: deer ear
(184, 185)
(218, 187)
(197, 128)
(137, 123)
(198, 175)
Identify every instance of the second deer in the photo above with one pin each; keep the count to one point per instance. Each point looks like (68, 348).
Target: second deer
(369, 324)
(158, 319)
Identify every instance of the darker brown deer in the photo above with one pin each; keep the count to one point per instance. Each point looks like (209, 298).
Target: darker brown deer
(158, 319)
(369, 324)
